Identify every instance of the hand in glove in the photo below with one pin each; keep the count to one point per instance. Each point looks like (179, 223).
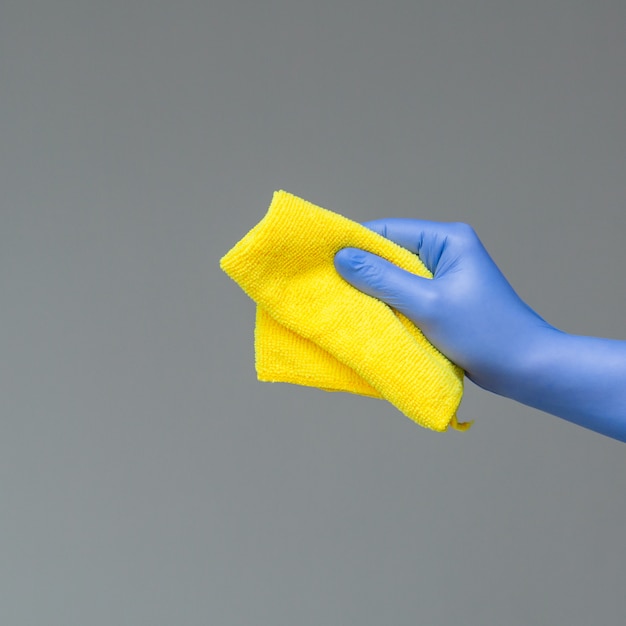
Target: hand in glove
(471, 313)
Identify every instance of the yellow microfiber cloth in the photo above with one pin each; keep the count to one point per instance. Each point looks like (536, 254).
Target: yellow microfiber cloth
(315, 329)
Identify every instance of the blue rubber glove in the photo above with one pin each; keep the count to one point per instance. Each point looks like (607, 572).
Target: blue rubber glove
(471, 313)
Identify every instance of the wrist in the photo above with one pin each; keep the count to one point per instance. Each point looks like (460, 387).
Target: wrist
(527, 365)
(537, 368)
(575, 377)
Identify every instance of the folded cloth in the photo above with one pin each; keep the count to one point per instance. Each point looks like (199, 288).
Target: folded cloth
(315, 329)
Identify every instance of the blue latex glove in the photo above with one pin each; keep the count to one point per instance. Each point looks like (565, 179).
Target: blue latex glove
(471, 313)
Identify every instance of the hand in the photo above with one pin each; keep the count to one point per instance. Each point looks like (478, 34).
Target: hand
(470, 312)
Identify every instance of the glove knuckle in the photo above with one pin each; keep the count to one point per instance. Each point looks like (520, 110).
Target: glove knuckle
(463, 231)
(372, 273)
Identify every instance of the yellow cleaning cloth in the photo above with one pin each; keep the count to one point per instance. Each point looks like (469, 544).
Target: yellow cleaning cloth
(315, 329)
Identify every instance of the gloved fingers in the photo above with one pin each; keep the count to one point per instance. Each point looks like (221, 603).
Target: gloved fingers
(377, 277)
(410, 233)
(436, 243)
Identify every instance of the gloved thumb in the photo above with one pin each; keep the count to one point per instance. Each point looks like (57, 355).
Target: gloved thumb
(377, 277)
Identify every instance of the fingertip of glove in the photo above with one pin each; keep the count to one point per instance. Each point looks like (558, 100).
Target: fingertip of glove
(348, 259)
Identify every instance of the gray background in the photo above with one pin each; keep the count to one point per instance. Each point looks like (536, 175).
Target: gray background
(145, 476)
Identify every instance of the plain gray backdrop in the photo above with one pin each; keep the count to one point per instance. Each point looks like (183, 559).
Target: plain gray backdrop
(146, 477)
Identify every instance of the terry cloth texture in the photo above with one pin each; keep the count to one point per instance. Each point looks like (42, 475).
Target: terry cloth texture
(315, 329)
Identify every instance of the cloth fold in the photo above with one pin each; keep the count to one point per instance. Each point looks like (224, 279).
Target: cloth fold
(315, 329)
